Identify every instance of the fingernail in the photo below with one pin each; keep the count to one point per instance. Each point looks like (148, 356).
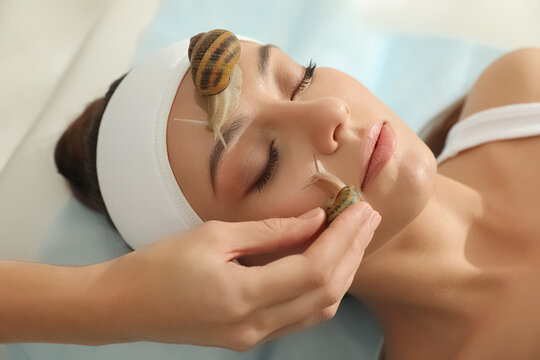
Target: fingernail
(374, 221)
(311, 213)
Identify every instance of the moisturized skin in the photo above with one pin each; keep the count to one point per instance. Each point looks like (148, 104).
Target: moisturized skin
(331, 117)
(213, 56)
(450, 242)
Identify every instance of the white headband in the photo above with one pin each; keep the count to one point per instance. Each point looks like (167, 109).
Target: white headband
(136, 181)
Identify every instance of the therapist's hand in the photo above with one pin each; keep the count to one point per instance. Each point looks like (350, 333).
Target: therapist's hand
(187, 288)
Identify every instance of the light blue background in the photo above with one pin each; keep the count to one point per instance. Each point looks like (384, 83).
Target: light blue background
(415, 75)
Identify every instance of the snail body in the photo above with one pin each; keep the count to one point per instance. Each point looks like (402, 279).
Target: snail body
(213, 56)
(221, 106)
(346, 194)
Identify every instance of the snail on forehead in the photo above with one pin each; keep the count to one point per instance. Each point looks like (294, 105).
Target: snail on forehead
(346, 194)
(213, 56)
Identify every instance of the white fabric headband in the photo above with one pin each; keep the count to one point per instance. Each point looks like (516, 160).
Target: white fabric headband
(136, 181)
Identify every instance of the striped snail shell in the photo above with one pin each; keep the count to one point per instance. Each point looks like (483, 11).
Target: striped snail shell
(213, 56)
(347, 196)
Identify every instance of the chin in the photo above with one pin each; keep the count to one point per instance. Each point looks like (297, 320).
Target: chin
(404, 187)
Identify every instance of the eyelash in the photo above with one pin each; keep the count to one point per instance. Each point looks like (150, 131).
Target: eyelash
(306, 80)
(273, 154)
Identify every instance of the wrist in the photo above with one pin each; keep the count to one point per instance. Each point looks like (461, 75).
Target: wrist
(102, 305)
(112, 300)
(53, 304)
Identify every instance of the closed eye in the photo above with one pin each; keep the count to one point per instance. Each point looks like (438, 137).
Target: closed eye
(273, 156)
(273, 153)
(306, 80)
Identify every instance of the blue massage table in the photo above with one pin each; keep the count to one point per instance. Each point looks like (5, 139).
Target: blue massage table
(416, 75)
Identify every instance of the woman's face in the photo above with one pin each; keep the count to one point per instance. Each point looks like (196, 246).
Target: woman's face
(275, 132)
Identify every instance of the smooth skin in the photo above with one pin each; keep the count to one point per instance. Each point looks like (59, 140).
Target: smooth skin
(187, 289)
(330, 118)
(463, 281)
(451, 272)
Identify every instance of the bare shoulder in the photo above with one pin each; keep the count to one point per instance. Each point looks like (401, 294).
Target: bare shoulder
(511, 79)
(501, 168)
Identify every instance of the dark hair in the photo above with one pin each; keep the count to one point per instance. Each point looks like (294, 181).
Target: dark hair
(435, 131)
(75, 153)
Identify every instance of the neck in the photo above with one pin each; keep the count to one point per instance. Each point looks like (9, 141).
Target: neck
(418, 279)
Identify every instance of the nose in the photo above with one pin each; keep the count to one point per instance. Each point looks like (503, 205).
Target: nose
(322, 119)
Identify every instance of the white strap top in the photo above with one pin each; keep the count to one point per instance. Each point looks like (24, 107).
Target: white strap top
(499, 123)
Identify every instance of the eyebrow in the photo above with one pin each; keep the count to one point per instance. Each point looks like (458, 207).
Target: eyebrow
(232, 130)
(264, 54)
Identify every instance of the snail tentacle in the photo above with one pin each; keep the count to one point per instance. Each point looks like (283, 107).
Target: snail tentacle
(205, 123)
(191, 121)
(346, 194)
(217, 133)
(213, 56)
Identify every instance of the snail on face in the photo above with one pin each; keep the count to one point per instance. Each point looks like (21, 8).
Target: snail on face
(213, 56)
(346, 194)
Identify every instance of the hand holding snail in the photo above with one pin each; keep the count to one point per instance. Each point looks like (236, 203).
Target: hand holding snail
(346, 196)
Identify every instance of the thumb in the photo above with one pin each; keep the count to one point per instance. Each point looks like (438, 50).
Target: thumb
(269, 235)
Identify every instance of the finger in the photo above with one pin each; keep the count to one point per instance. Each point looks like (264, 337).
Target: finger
(353, 257)
(294, 275)
(270, 235)
(296, 326)
(336, 241)
(299, 313)
(303, 311)
(291, 276)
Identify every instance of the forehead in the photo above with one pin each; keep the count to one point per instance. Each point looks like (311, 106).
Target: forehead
(188, 104)
(189, 144)
(186, 100)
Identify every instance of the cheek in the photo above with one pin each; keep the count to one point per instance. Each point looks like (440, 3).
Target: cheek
(287, 197)
(407, 186)
(418, 167)
(289, 201)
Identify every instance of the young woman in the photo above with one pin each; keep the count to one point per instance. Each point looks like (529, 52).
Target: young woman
(451, 270)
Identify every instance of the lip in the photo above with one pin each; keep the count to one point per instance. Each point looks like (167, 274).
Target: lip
(379, 149)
